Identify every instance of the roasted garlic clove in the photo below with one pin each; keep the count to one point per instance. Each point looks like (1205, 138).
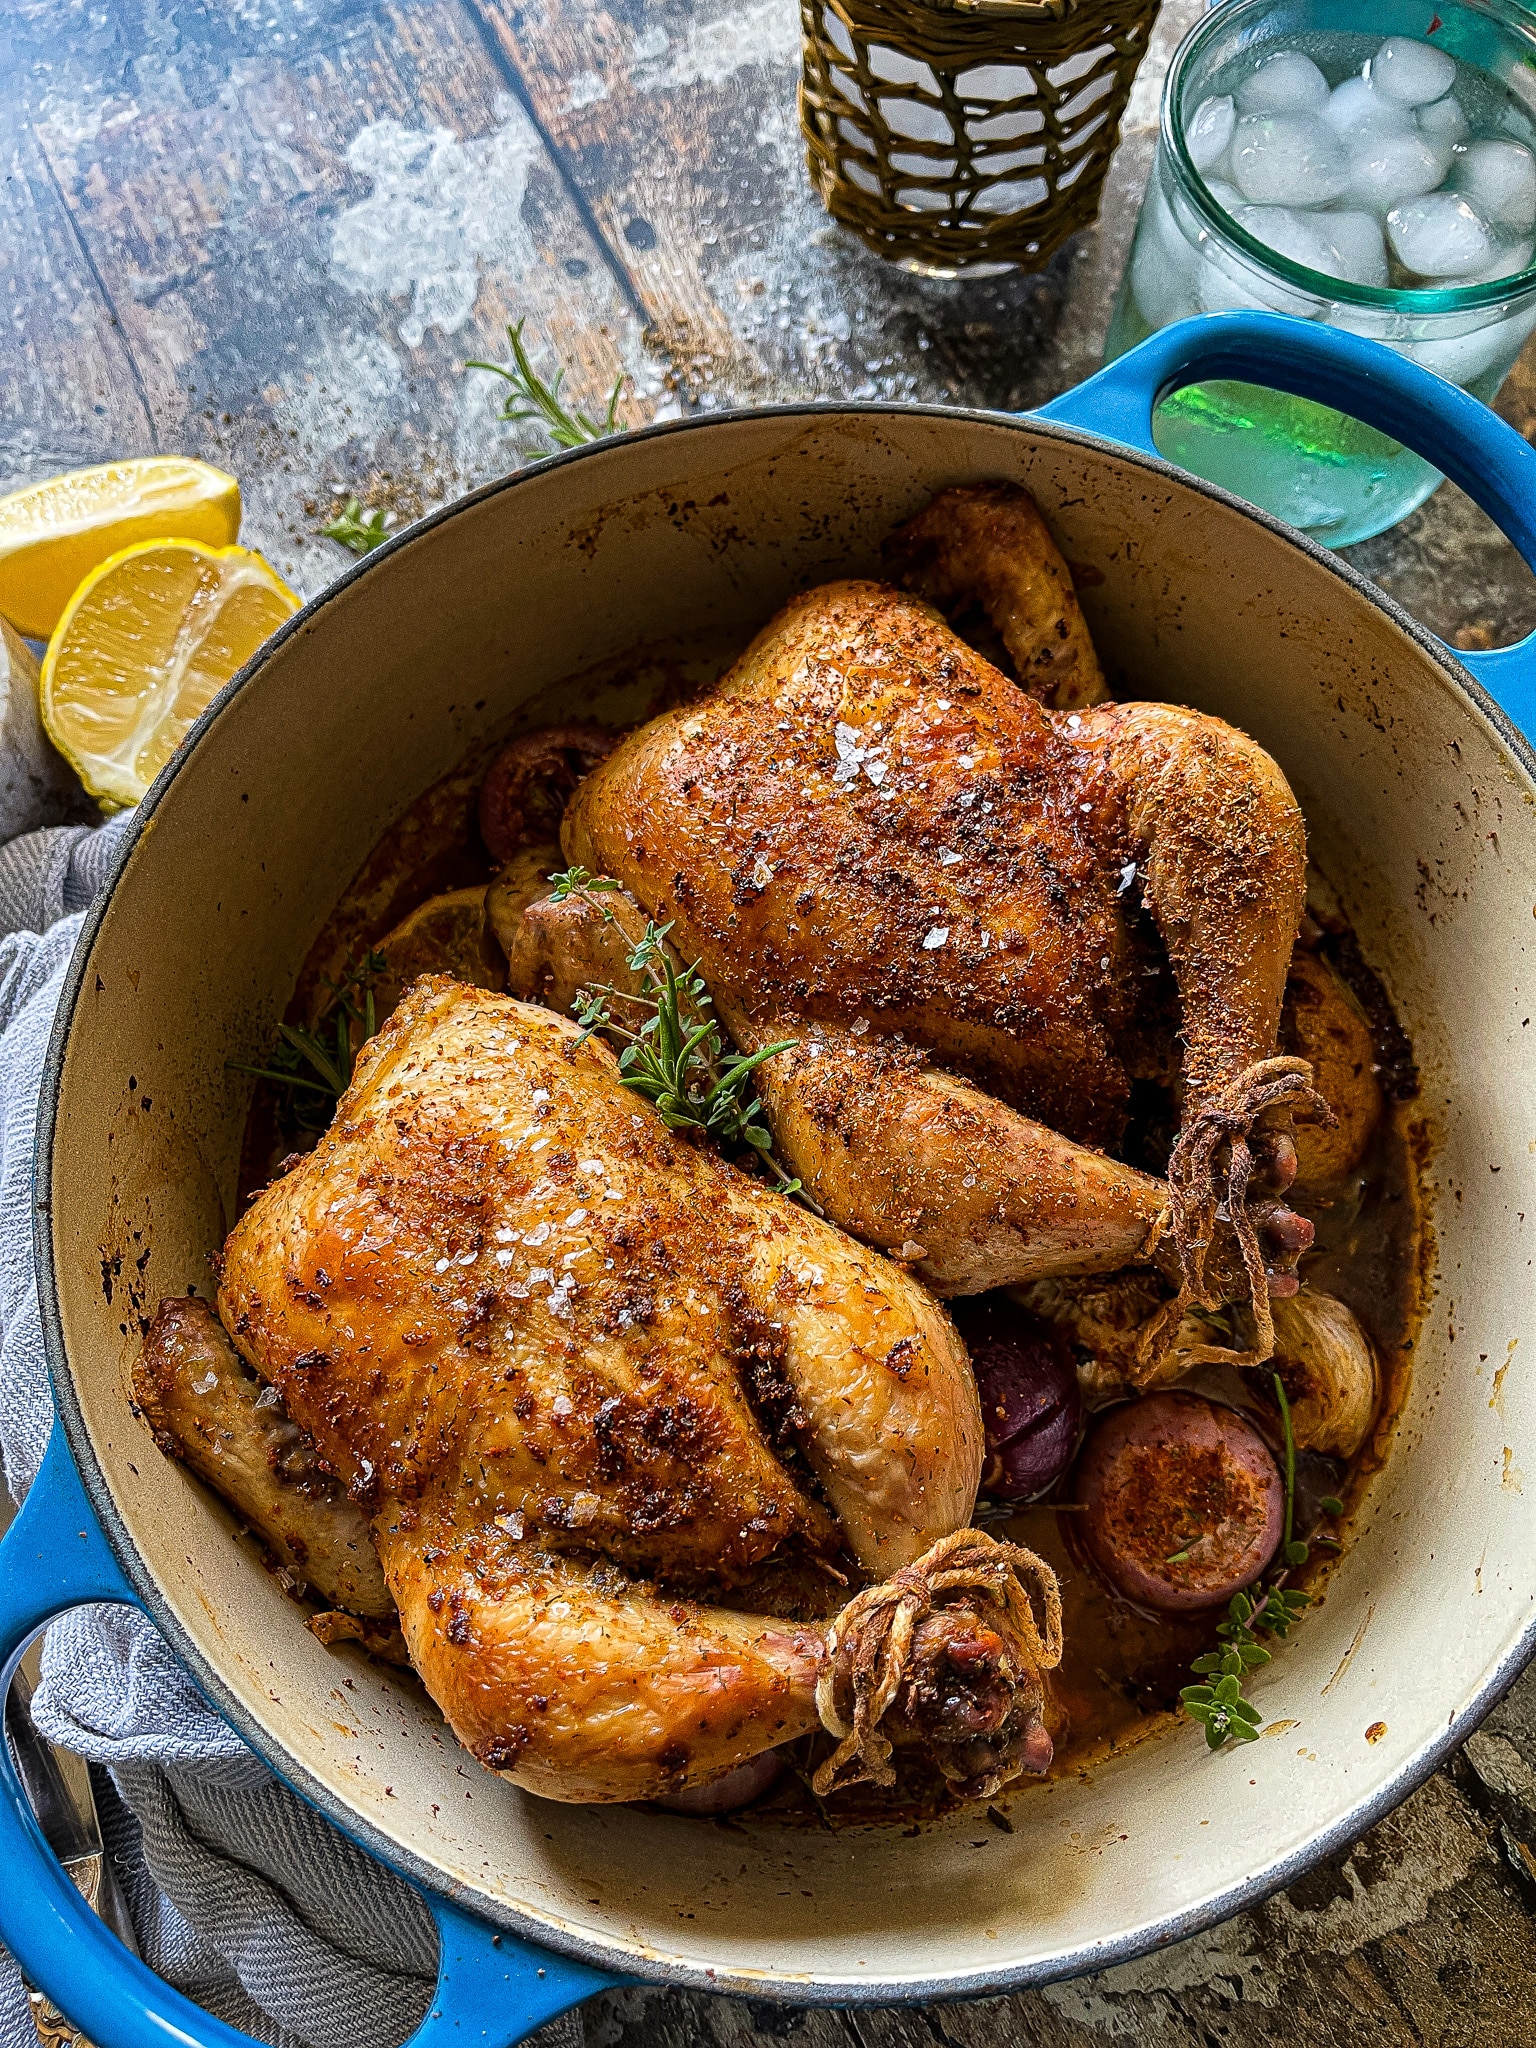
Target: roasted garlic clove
(523, 880)
(1323, 1023)
(1330, 1372)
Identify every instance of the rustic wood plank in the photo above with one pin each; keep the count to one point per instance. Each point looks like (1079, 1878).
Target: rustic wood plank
(305, 225)
(678, 124)
(69, 388)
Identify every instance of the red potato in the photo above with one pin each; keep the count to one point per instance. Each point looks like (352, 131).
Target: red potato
(1185, 1503)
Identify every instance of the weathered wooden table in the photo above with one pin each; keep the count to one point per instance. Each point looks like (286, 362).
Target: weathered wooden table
(271, 232)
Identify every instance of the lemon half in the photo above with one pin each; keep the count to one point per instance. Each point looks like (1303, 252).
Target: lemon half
(144, 644)
(52, 535)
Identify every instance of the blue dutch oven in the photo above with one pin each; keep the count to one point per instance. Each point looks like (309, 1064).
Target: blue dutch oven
(1419, 792)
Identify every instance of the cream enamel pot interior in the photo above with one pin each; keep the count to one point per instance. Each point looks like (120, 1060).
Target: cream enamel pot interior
(1419, 797)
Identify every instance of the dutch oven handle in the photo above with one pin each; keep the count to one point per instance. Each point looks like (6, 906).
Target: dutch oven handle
(1471, 445)
(492, 1989)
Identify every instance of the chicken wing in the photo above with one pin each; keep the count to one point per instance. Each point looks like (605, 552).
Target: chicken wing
(207, 1407)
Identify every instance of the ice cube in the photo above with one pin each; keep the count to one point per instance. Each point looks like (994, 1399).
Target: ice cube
(1357, 243)
(1226, 196)
(1509, 259)
(1500, 180)
(1439, 235)
(1210, 130)
(1392, 165)
(1355, 110)
(1478, 347)
(1285, 83)
(1227, 282)
(1288, 159)
(1443, 121)
(1366, 320)
(1410, 71)
(1300, 237)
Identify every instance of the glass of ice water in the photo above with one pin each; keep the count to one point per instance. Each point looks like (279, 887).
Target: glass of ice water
(1370, 164)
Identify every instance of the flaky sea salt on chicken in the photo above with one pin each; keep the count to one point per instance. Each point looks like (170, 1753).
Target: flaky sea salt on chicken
(664, 1469)
(969, 895)
(519, 1320)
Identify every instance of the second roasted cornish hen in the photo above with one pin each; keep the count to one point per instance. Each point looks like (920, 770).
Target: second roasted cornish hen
(877, 843)
(579, 1372)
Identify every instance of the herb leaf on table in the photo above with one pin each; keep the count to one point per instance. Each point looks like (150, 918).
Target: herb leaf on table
(356, 529)
(531, 398)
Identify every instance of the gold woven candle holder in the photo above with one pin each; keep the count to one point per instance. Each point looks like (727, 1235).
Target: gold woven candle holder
(965, 137)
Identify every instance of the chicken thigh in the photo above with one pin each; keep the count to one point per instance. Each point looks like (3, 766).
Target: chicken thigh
(966, 905)
(582, 1374)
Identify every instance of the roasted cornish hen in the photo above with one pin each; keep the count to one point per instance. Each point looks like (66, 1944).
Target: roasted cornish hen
(554, 1352)
(876, 843)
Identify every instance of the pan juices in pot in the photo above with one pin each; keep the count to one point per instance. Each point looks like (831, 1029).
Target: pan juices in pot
(667, 1469)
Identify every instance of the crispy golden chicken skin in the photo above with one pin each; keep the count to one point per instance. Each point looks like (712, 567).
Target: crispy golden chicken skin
(866, 820)
(986, 546)
(208, 1408)
(867, 827)
(555, 1351)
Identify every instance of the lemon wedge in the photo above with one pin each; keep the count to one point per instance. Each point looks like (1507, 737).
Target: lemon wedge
(52, 535)
(143, 646)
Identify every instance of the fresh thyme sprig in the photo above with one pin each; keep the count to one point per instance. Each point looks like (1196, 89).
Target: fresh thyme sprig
(356, 529)
(1219, 1703)
(579, 882)
(675, 1055)
(327, 1051)
(530, 398)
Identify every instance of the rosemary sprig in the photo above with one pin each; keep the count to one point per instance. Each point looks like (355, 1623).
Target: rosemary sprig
(327, 1051)
(530, 398)
(1219, 1703)
(673, 1051)
(356, 529)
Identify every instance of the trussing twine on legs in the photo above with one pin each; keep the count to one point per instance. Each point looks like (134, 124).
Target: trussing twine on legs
(1196, 1191)
(879, 1623)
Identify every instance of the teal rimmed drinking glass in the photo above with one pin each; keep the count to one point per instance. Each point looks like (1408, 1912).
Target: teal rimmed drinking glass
(1331, 476)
